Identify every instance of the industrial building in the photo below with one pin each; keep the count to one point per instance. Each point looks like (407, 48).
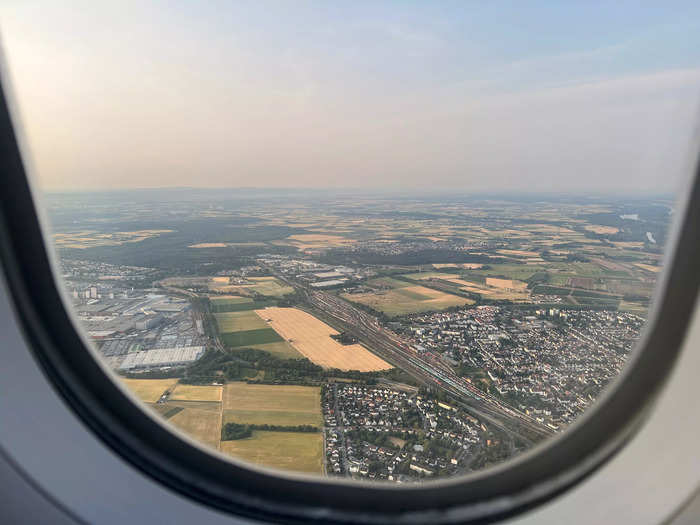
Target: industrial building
(160, 357)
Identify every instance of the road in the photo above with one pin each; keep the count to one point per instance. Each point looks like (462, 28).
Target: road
(341, 431)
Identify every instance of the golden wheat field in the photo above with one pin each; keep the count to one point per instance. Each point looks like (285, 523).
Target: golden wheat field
(295, 451)
(202, 425)
(272, 404)
(508, 284)
(149, 390)
(312, 338)
(196, 393)
(597, 228)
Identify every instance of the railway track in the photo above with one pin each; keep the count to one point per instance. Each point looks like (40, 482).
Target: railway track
(426, 370)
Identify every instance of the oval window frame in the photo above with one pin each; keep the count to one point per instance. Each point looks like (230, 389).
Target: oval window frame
(505, 490)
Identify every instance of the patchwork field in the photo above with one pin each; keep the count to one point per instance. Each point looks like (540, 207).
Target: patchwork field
(648, 267)
(196, 393)
(506, 284)
(268, 286)
(245, 303)
(519, 253)
(91, 239)
(245, 328)
(490, 292)
(314, 241)
(164, 410)
(604, 230)
(149, 390)
(199, 412)
(272, 404)
(419, 276)
(312, 338)
(408, 300)
(635, 308)
(294, 451)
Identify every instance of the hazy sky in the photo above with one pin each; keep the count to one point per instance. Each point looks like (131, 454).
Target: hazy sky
(468, 95)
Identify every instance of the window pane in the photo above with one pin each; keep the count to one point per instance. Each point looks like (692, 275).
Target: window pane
(377, 241)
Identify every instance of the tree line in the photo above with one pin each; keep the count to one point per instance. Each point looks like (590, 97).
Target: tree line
(234, 431)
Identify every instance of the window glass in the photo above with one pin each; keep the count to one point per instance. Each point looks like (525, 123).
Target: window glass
(372, 240)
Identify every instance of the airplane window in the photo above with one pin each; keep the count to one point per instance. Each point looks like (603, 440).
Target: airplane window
(369, 242)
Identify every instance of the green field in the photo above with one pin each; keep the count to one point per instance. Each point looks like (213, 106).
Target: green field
(520, 272)
(245, 328)
(238, 321)
(251, 337)
(430, 275)
(387, 282)
(240, 306)
(281, 349)
(229, 299)
(295, 451)
(270, 286)
(229, 303)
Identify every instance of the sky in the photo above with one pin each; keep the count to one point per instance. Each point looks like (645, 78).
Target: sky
(464, 96)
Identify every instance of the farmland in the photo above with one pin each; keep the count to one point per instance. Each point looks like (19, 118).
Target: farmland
(148, 390)
(596, 228)
(245, 328)
(435, 285)
(287, 405)
(507, 284)
(250, 338)
(648, 267)
(237, 321)
(267, 286)
(275, 405)
(408, 299)
(196, 393)
(224, 300)
(208, 245)
(89, 239)
(240, 306)
(490, 292)
(310, 242)
(202, 425)
(312, 338)
(294, 451)
(280, 349)
(199, 410)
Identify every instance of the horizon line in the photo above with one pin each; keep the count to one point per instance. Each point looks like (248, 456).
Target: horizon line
(394, 190)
